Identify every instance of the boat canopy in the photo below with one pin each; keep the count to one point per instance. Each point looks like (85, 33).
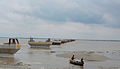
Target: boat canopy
(13, 41)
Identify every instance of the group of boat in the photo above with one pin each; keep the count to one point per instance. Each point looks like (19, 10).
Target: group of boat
(47, 43)
(13, 46)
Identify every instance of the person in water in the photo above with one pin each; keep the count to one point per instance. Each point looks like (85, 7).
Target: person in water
(72, 58)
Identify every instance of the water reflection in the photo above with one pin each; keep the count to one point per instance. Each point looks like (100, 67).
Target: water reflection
(8, 60)
(81, 67)
(40, 48)
(76, 67)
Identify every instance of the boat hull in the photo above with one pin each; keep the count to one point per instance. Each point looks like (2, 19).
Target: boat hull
(39, 45)
(8, 51)
(11, 47)
(56, 43)
(76, 63)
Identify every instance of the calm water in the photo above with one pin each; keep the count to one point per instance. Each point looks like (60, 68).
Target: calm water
(47, 59)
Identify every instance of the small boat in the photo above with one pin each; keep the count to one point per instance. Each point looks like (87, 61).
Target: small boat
(56, 42)
(11, 47)
(38, 44)
(77, 62)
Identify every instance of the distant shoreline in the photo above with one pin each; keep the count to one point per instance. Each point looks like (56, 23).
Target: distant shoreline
(63, 38)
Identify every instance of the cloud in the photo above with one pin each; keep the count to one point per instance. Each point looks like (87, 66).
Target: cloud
(60, 19)
(41, 28)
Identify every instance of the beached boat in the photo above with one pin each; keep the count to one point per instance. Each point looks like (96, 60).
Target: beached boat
(77, 62)
(39, 44)
(11, 47)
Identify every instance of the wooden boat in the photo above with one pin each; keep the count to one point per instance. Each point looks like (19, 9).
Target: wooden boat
(77, 62)
(56, 42)
(11, 47)
(39, 44)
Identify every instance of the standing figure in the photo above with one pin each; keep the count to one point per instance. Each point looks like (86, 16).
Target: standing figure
(82, 62)
(72, 58)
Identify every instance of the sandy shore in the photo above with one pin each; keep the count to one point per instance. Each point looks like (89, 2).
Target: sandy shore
(87, 56)
(19, 65)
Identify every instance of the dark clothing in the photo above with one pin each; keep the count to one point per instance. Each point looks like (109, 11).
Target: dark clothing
(72, 57)
(82, 61)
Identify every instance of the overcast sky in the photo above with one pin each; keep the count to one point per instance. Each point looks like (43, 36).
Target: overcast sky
(81, 19)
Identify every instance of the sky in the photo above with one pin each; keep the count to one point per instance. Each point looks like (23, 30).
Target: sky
(79, 19)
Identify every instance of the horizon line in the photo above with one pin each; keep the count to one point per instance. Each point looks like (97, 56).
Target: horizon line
(60, 38)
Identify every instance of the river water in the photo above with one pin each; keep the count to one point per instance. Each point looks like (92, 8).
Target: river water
(47, 59)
